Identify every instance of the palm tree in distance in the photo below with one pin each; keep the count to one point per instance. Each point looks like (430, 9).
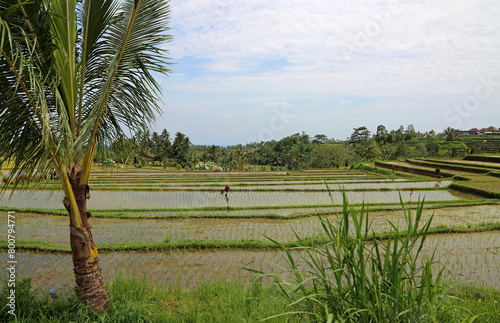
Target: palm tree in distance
(72, 74)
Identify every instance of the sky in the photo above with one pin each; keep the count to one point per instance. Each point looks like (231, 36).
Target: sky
(255, 70)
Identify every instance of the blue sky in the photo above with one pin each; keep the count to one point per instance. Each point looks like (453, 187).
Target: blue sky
(253, 70)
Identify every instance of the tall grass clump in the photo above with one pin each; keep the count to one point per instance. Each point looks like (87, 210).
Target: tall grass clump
(350, 280)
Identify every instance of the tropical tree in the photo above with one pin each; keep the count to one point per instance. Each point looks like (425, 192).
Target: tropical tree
(72, 73)
(180, 147)
(122, 150)
(449, 133)
(155, 144)
(400, 134)
(328, 156)
(432, 144)
(373, 151)
(418, 151)
(213, 151)
(320, 139)
(360, 136)
(381, 135)
(164, 147)
(239, 157)
(410, 132)
(360, 140)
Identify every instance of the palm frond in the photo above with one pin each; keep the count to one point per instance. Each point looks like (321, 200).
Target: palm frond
(66, 90)
(21, 124)
(64, 36)
(130, 94)
(95, 17)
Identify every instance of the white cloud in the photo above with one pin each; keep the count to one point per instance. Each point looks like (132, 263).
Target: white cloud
(427, 54)
(276, 105)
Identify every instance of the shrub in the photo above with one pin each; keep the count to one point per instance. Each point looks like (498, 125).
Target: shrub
(348, 279)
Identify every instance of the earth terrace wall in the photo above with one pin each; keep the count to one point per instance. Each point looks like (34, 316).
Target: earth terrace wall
(475, 191)
(458, 163)
(490, 159)
(496, 174)
(460, 168)
(412, 170)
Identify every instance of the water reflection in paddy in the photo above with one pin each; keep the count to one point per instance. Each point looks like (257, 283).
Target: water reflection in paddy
(307, 186)
(472, 257)
(188, 199)
(54, 229)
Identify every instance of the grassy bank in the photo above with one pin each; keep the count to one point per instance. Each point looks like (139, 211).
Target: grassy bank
(134, 300)
(193, 244)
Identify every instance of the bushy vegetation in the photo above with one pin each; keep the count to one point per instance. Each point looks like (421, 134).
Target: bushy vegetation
(134, 300)
(297, 151)
(348, 280)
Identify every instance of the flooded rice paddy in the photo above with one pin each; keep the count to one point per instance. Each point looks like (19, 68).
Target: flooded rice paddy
(54, 229)
(187, 199)
(472, 258)
(333, 185)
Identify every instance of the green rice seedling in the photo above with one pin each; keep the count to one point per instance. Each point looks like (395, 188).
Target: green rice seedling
(349, 280)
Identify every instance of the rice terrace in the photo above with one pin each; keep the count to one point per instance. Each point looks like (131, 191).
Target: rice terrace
(249, 161)
(176, 229)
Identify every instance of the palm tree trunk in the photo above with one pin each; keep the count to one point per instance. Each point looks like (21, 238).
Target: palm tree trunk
(90, 284)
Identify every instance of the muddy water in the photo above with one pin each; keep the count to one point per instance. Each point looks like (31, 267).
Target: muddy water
(54, 229)
(472, 258)
(187, 199)
(306, 186)
(267, 184)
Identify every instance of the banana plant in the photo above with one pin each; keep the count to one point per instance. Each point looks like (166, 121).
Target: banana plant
(73, 75)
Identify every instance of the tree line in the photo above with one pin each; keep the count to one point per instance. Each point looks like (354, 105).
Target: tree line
(296, 151)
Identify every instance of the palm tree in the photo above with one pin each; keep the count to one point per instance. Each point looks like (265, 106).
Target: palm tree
(72, 73)
(212, 152)
(239, 157)
(449, 133)
(180, 147)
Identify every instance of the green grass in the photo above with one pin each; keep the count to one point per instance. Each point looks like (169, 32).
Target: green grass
(476, 191)
(464, 168)
(481, 302)
(193, 244)
(346, 280)
(460, 163)
(134, 300)
(388, 173)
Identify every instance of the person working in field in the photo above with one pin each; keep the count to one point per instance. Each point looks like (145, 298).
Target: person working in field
(226, 190)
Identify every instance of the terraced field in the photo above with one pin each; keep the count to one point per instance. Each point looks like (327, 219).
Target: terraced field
(178, 228)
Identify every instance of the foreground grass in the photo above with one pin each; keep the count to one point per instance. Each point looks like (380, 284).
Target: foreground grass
(134, 300)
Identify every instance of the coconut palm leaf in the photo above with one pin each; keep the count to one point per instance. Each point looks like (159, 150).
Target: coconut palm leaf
(130, 89)
(72, 74)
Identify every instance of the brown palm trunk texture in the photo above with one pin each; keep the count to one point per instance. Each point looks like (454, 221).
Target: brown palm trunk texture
(90, 289)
